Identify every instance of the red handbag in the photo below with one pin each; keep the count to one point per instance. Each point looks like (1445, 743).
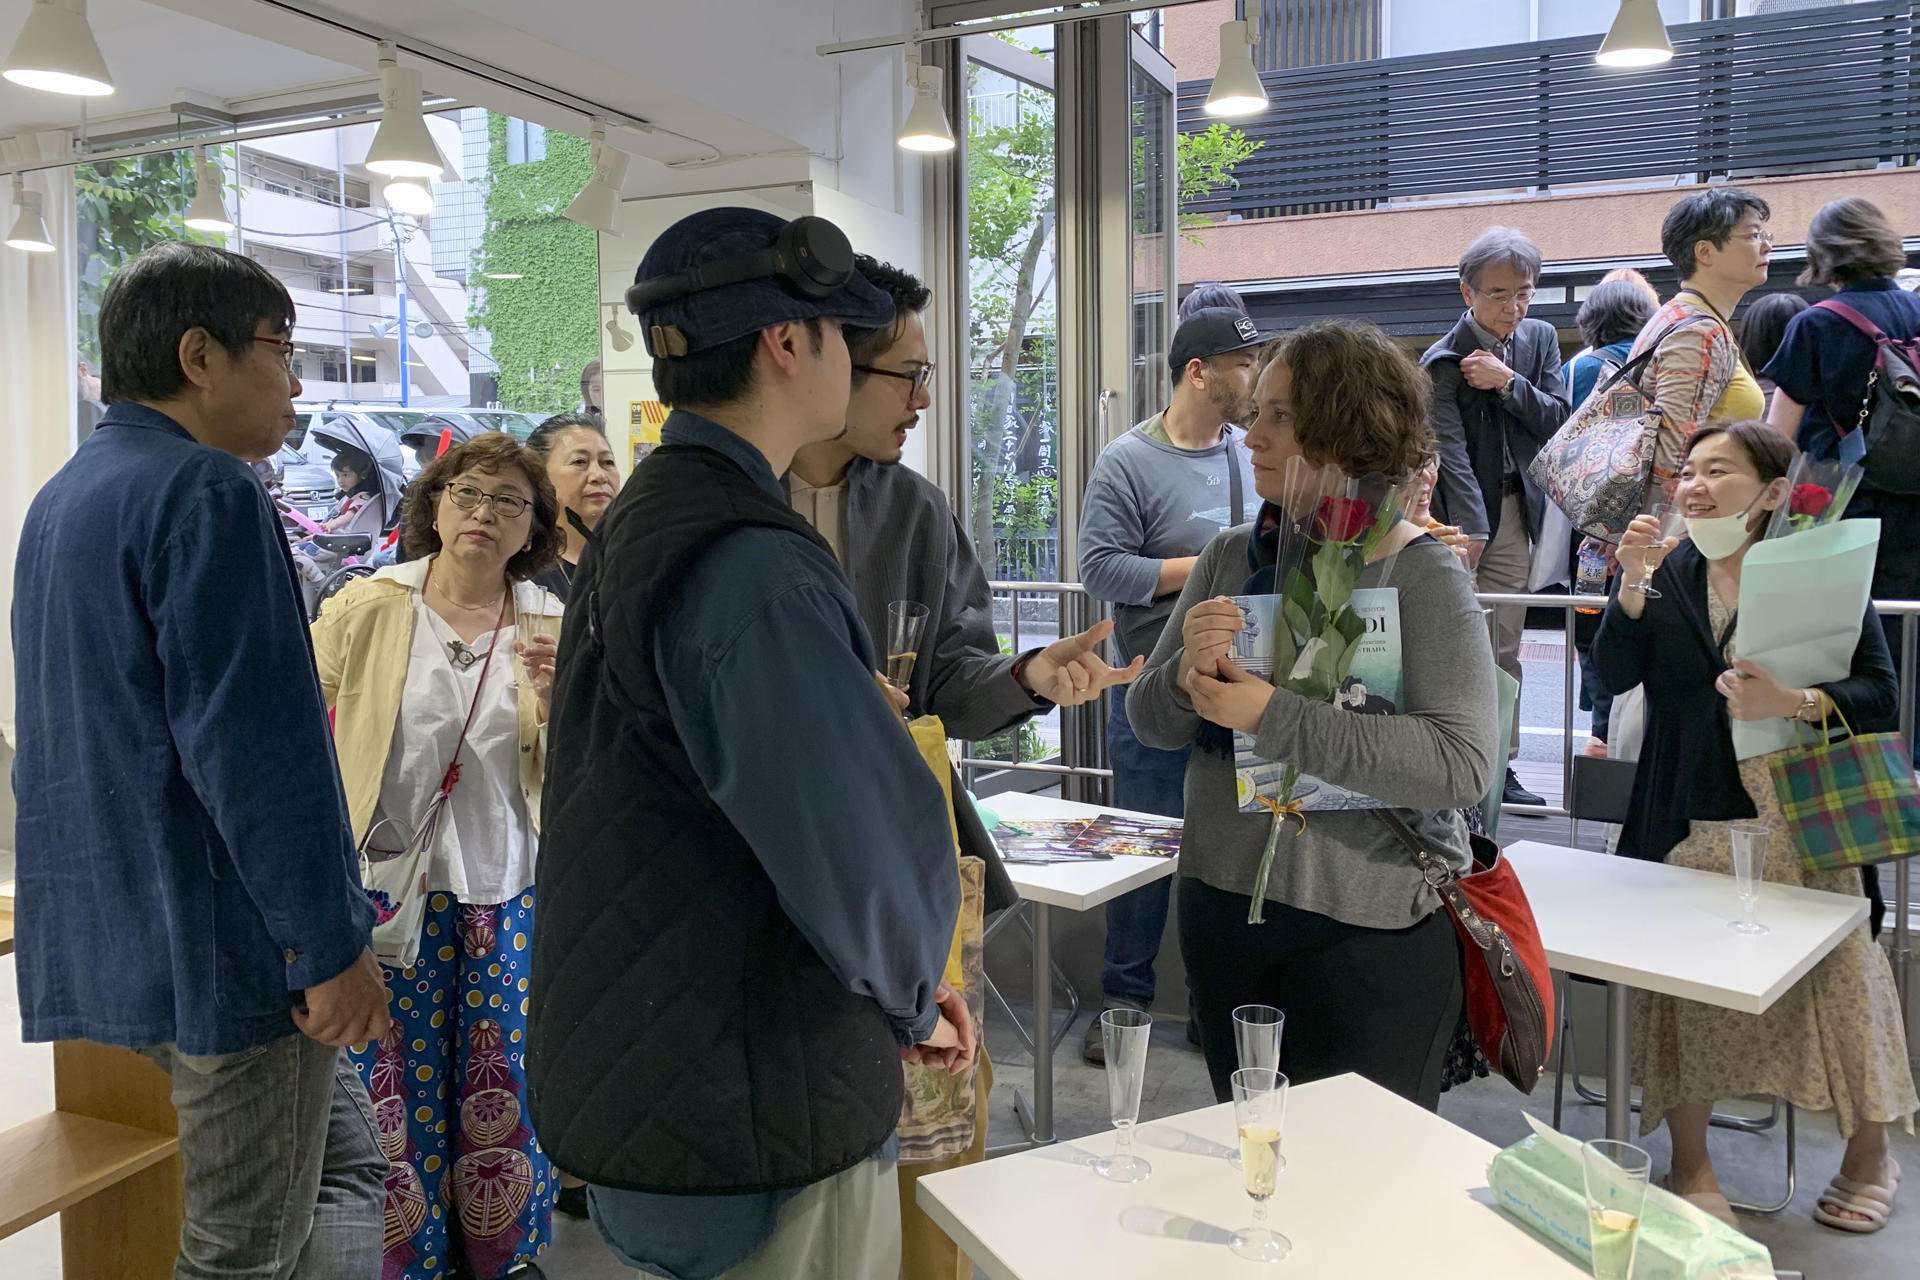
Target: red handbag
(1509, 983)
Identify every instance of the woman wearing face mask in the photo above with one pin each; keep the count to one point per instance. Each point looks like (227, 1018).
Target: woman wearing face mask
(573, 447)
(1833, 1042)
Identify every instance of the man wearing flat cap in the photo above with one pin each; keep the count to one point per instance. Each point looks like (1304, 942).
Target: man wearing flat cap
(747, 873)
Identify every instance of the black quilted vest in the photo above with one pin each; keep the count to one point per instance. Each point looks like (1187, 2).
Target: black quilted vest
(684, 1037)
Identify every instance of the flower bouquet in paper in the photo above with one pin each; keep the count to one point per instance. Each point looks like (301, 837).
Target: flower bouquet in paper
(1329, 527)
(1817, 494)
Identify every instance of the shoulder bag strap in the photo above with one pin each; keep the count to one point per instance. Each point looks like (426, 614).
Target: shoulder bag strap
(1233, 480)
(1438, 872)
(451, 777)
(1630, 371)
(1854, 318)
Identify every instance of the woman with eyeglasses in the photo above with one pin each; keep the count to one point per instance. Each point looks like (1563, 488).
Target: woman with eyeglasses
(1718, 241)
(439, 673)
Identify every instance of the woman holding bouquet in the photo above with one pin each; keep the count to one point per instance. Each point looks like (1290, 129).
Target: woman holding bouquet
(1351, 942)
(1833, 1042)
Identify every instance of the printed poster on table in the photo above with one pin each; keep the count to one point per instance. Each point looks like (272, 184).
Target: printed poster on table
(1372, 687)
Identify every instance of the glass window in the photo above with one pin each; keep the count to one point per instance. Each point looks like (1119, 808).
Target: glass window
(1013, 383)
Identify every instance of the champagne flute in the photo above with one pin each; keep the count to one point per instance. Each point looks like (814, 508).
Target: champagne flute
(1749, 870)
(1257, 1029)
(1615, 1174)
(1673, 522)
(1125, 1032)
(906, 626)
(1260, 1112)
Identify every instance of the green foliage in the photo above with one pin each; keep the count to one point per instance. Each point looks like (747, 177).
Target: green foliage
(122, 209)
(546, 326)
(1207, 160)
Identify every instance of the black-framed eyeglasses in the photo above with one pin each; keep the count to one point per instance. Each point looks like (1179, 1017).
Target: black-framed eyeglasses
(920, 376)
(286, 349)
(468, 498)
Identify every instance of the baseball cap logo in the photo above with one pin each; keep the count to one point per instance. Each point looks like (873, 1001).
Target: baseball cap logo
(1245, 326)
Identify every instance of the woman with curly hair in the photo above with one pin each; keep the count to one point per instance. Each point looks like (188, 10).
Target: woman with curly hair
(1354, 946)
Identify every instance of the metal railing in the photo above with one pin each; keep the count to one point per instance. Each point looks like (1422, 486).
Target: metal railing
(1084, 773)
(1733, 101)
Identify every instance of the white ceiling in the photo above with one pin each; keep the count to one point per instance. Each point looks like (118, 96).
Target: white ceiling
(739, 76)
(154, 54)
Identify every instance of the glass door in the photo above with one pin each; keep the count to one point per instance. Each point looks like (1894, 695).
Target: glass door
(1153, 226)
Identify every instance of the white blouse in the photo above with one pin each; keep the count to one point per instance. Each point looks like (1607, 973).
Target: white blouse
(486, 844)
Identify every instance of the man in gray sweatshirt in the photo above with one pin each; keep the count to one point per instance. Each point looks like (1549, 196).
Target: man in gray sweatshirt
(1158, 495)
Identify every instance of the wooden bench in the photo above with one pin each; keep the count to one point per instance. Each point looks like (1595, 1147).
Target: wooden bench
(105, 1159)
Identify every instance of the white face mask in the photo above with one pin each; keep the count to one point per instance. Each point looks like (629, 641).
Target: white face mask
(1718, 537)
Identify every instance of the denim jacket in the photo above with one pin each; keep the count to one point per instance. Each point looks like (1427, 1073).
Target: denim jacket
(183, 862)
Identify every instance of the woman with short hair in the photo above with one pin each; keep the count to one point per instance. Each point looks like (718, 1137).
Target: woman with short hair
(586, 479)
(1354, 945)
(439, 673)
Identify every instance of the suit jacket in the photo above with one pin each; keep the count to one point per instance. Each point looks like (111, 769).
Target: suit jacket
(1476, 430)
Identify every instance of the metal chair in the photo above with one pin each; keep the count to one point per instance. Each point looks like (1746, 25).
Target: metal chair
(1602, 791)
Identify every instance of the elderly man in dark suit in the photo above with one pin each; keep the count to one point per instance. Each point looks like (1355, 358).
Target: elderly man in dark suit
(1498, 395)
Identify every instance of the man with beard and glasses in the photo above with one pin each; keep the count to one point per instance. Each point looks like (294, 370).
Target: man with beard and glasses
(1158, 495)
(895, 534)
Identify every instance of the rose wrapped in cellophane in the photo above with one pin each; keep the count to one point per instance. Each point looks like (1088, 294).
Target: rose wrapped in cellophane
(1818, 492)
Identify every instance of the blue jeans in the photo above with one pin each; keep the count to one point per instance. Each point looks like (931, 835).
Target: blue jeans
(1149, 780)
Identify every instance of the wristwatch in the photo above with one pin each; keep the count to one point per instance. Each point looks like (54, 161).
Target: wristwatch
(1506, 392)
(1809, 706)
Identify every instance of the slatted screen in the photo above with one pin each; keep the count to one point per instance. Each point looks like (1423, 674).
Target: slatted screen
(1772, 93)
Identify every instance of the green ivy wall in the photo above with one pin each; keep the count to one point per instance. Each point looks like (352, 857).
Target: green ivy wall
(549, 322)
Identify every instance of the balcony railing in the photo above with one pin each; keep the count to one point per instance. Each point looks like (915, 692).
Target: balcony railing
(1827, 88)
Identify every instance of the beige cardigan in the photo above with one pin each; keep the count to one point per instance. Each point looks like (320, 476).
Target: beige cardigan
(361, 644)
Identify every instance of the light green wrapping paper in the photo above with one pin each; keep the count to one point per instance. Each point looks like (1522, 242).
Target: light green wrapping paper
(1538, 1181)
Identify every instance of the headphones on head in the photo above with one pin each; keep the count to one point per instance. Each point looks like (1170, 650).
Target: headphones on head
(809, 255)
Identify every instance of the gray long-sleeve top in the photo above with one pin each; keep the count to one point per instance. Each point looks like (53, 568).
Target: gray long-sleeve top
(1431, 760)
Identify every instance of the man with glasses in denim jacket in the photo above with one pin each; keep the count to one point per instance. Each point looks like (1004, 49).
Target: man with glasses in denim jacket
(1498, 395)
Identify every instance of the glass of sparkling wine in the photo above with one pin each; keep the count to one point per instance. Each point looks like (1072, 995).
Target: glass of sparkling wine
(1125, 1033)
(1257, 1029)
(1749, 870)
(1260, 1112)
(906, 626)
(1673, 523)
(1616, 1180)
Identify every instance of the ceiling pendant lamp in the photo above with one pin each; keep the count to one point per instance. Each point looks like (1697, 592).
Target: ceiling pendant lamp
(1237, 90)
(29, 234)
(598, 204)
(1638, 37)
(408, 196)
(208, 212)
(402, 147)
(926, 130)
(55, 52)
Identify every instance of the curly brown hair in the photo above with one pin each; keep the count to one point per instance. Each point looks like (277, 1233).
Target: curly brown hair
(1359, 400)
(495, 453)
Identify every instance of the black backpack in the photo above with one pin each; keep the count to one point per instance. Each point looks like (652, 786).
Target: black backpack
(1890, 411)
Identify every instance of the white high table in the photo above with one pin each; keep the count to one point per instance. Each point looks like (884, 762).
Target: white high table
(1077, 886)
(1646, 925)
(1374, 1188)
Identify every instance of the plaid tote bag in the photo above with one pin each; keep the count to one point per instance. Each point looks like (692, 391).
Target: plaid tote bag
(1850, 803)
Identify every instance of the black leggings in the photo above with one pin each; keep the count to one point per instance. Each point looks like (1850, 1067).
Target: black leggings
(1381, 1002)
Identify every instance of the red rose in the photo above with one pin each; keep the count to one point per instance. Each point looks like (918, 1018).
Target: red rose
(1809, 500)
(1343, 519)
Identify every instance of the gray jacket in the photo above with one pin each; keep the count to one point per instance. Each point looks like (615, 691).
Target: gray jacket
(1482, 435)
(1430, 761)
(904, 543)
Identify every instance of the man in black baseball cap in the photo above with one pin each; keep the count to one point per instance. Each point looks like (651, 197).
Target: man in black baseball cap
(1158, 495)
(742, 933)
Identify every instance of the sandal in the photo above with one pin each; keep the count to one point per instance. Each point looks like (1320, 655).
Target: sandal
(1872, 1201)
(1712, 1203)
